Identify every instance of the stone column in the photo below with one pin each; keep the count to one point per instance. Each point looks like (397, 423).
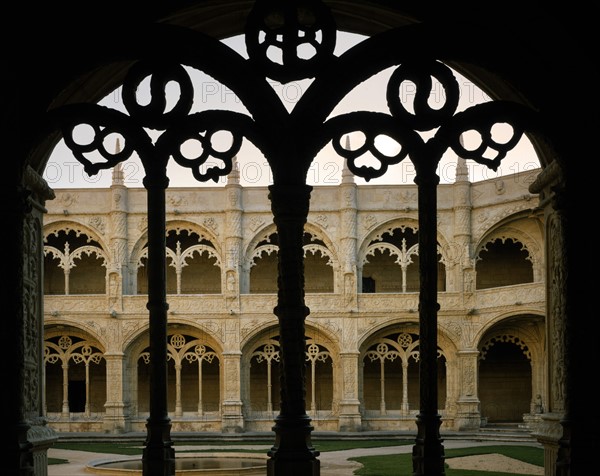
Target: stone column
(232, 419)
(468, 416)
(117, 272)
(233, 241)
(461, 264)
(158, 458)
(348, 238)
(554, 429)
(28, 435)
(292, 452)
(115, 419)
(349, 418)
(428, 451)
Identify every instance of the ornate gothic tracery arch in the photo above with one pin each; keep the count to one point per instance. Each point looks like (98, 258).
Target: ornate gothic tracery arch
(70, 244)
(400, 345)
(181, 256)
(273, 129)
(404, 252)
(67, 351)
(504, 260)
(315, 245)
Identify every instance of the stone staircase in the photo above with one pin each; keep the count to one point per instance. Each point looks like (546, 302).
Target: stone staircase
(506, 432)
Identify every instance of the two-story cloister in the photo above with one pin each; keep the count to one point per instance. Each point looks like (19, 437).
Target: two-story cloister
(361, 269)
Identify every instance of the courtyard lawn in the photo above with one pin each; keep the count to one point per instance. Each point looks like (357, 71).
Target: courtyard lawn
(395, 465)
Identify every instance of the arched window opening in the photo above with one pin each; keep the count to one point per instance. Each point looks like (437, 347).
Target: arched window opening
(318, 266)
(73, 264)
(263, 266)
(75, 377)
(503, 263)
(504, 380)
(264, 377)
(194, 265)
(391, 263)
(391, 375)
(193, 377)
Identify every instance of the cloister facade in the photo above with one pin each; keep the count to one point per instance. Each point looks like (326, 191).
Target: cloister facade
(361, 283)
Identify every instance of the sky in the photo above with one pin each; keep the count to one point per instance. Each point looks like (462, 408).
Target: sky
(64, 171)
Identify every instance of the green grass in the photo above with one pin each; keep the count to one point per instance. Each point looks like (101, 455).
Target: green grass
(396, 465)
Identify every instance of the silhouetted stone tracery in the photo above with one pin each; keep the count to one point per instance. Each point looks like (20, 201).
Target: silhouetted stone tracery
(290, 41)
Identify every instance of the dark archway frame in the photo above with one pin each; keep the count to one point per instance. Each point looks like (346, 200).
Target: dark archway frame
(290, 141)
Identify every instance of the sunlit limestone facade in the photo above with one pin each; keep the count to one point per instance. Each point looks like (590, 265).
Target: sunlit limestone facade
(361, 284)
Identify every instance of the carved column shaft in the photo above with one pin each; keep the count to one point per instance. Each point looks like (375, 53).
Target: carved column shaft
(159, 455)
(28, 436)
(468, 416)
(118, 236)
(233, 240)
(293, 452)
(428, 452)
(349, 419)
(554, 430)
(21, 458)
(114, 417)
(348, 239)
(231, 407)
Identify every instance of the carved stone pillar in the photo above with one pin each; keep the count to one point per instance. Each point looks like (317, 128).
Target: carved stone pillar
(293, 453)
(428, 451)
(115, 419)
(158, 458)
(462, 228)
(117, 272)
(468, 416)
(348, 238)
(553, 431)
(233, 242)
(29, 437)
(232, 419)
(349, 417)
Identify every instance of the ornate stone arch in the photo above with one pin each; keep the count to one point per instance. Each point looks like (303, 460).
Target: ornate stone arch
(250, 251)
(60, 327)
(515, 257)
(404, 253)
(376, 233)
(68, 257)
(174, 258)
(202, 231)
(78, 228)
(330, 249)
(175, 225)
(526, 326)
(263, 344)
(526, 331)
(505, 232)
(321, 333)
(399, 341)
(253, 251)
(445, 341)
(139, 340)
(71, 350)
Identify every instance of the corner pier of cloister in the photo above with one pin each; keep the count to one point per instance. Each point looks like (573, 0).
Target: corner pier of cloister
(361, 282)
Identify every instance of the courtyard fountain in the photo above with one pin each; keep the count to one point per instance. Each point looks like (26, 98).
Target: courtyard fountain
(203, 464)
